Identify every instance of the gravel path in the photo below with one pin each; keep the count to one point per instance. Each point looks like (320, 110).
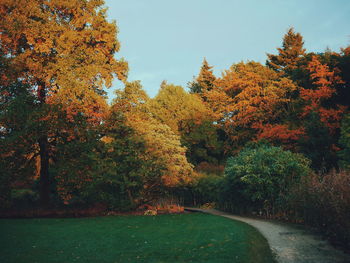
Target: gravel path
(290, 243)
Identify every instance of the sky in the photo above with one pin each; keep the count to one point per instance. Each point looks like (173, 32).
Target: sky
(167, 40)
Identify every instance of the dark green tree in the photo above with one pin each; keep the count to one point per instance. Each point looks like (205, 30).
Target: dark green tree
(344, 141)
(317, 144)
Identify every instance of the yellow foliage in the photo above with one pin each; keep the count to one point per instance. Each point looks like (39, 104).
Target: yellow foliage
(161, 140)
(174, 107)
(64, 49)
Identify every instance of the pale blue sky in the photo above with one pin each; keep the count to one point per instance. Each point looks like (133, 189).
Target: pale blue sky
(167, 40)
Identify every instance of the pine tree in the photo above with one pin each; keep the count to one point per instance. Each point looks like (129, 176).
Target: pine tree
(289, 55)
(205, 80)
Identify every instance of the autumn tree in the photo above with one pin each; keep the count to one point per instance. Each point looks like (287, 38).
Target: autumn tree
(64, 52)
(289, 54)
(161, 141)
(339, 62)
(249, 97)
(188, 116)
(321, 116)
(205, 80)
(324, 81)
(174, 107)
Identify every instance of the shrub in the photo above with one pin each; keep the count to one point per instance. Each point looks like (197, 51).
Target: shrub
(204, 189)
(326, 204)
(150, 213)
(207, 168)
(23, 198)
(261, 177)
(345, 143)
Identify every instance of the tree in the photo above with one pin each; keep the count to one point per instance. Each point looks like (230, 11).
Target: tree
(344, 154)
(161, 141)
(187, 115)
(64, 52)
(175, 107)
(17, 138)
(114, 169)
(205, 80)
(289, 55)
(248, 97)
(317, 144)
(323, 90)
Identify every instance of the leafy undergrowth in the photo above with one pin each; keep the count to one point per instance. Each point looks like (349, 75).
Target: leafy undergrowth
(164, 238)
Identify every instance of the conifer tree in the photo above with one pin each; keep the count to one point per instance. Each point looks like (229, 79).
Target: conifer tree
(205, 80)
(289, 54)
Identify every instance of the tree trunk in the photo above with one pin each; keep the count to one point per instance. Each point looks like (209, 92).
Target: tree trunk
(44, 155)
(44, 172)
(130, 197)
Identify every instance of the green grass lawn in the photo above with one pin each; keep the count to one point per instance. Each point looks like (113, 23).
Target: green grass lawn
(165, 238)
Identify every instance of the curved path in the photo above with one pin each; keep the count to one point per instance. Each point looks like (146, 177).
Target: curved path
(290, 243)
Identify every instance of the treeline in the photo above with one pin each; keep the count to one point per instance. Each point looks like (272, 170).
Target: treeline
(284, 130)
(272, 140)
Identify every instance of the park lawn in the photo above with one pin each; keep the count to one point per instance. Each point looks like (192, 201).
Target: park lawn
(164, 238)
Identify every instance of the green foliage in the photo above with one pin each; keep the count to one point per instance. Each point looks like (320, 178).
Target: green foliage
(205, 189)
(115, 172)
(263, 175)
(203, 142)
(23, 198)
(17, 138)
(345, 143)
(317, 144)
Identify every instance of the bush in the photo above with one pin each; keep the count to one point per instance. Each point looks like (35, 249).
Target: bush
(326, 204)
(345, 143)
(204, 189)
(207, 168)
(23, 198)
(260, 177)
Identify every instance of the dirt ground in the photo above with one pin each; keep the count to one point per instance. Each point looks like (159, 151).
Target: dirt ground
(290, 243)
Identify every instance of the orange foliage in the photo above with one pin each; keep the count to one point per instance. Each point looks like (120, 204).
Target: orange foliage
(63, 49)
(324, 81)
(248, 95)
(280, 132)
(256, 93)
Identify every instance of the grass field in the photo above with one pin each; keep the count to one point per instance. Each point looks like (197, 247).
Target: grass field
(164, 238)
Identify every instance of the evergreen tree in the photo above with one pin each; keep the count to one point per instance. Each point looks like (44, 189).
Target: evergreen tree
(289, 55)
(205, 80)
(344, 154)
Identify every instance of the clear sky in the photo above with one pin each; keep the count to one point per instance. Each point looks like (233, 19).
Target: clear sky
(167, 40)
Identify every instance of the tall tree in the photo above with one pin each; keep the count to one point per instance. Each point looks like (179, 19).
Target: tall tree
(289, 54)
(161, 141)
(175, 107)
(324, 81)
(248, 97)
(64, 51)
(187, 115)
(205, 80)
(345, 143)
